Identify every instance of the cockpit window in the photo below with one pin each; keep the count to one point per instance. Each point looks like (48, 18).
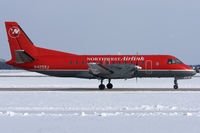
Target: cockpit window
(169, 61)
(178, 62)
(173, 61)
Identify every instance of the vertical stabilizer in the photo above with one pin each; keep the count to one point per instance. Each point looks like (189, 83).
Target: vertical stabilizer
(18, 40)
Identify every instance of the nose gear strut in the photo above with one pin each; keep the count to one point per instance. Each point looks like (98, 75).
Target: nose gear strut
(175, 83)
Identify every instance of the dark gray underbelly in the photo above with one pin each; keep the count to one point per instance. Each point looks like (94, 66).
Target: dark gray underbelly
(86, 74)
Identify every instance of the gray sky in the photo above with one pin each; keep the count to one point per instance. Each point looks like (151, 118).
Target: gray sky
(107, 26)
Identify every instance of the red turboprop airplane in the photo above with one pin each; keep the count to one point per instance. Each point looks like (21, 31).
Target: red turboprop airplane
(27, 56)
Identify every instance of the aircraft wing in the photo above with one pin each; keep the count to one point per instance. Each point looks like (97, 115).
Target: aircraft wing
(98, 69)
(114, 70)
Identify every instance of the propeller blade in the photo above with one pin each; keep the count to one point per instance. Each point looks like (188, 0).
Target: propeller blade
(137, 58)
(136, 72)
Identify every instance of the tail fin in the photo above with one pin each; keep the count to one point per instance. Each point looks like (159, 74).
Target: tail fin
(19, 41)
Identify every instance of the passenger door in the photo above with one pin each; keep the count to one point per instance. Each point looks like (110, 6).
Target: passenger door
(148, 66)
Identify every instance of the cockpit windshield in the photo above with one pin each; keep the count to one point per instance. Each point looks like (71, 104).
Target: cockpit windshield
(173, 61)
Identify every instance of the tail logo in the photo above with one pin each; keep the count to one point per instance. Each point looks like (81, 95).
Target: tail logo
(14, 32)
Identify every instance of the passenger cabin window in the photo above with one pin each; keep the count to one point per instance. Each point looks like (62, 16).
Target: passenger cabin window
(131, 62)
(157, 63)
(119, 62)
(142, 62)
(100, 62)
(76, 62)
(70, 62)
(113, 62)
(125, 62)
(82, 62)
(173, 61)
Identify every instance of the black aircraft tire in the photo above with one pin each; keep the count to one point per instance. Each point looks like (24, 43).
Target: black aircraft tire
(101, 87)
(109, 86)
(175, 87)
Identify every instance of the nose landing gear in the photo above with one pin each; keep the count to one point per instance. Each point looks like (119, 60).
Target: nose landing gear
(102, 86)
(175, 84)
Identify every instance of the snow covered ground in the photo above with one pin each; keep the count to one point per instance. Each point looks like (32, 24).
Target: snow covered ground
(74, 112)
(97, 111)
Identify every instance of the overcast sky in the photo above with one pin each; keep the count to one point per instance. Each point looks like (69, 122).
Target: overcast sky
(107, 26)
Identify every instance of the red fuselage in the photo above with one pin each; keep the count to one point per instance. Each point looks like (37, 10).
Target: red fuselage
(55, 63)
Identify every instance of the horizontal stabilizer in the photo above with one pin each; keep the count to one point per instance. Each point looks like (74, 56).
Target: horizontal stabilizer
(22, 57)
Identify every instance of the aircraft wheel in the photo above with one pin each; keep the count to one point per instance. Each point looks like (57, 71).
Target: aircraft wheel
(109, 86)
(175, 86)
(101, 87)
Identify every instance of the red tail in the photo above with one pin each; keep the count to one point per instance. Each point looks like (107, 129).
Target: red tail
(19, 41)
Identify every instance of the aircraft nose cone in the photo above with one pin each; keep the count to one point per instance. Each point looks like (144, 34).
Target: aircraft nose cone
(193, 72)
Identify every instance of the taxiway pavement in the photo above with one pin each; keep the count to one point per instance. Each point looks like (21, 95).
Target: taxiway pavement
(96, 89)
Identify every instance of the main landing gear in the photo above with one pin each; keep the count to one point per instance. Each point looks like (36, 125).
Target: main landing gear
(102, 86)
(175, 84)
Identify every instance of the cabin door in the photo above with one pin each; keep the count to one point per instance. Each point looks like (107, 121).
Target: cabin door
(148, 66)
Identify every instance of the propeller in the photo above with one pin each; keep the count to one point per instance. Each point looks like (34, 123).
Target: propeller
(137, 67)
(136, 71)
(137, 58)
